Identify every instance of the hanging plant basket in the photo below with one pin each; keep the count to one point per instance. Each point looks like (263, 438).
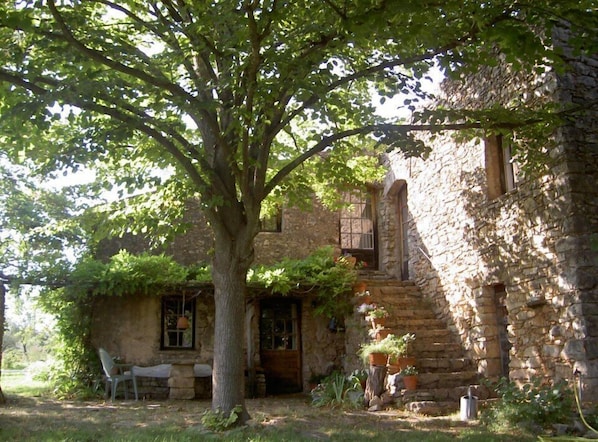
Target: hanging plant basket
(182, 323)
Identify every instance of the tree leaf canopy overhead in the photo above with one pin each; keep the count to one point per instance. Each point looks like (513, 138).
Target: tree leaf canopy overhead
(234, 95)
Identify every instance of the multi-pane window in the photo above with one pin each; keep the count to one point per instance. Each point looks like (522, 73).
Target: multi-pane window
(358, 228)
(178, 323)
(278, 327)
(357, 225)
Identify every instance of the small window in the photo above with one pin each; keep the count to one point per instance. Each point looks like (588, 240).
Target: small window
(178, 323)
(501, 166)
(272, 223)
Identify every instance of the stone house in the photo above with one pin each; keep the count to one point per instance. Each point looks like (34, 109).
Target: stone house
(503, 264)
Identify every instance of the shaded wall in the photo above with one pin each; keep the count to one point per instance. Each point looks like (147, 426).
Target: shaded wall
(534, 241)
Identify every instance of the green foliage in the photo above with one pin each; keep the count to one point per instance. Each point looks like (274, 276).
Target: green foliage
(391, 345)
(219, 420)
(410, 370)
(338, 390)
(128, 274)
(318, 273)
(533, 405)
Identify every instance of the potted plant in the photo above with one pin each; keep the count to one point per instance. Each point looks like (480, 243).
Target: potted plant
(362, 296)
(374, 353)
(409, 375)
(359, 288)
(379, 332)
(401, 354)
(377, 316)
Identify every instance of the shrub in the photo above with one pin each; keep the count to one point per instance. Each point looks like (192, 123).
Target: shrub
(533, 405)
(219, 420)
(338, 390)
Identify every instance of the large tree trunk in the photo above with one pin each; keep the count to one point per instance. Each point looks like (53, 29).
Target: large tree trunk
(231, 262)
(2, 319)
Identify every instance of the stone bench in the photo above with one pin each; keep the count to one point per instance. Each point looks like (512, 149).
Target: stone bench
(174, 381)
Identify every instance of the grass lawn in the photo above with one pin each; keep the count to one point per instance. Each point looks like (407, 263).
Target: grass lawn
(33, 415)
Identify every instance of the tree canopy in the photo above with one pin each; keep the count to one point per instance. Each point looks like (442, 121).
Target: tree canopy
(237, 101)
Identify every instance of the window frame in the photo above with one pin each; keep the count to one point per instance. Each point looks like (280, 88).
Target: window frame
(502, 171)
(168, 317)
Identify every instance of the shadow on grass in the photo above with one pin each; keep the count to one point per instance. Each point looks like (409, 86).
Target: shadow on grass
(273, 419)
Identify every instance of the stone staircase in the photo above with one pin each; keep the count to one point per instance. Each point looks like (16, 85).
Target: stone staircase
(445, 371)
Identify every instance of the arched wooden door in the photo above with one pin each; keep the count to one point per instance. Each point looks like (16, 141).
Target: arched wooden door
(280, 345)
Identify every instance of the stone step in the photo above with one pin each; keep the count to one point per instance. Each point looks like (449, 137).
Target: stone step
(446, 394)
(426, 334)
(447, 380)
(419, 324)
(444, 364)
(436, 350)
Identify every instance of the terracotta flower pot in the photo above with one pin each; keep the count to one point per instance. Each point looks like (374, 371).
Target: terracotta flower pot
(182, 323)
(392, 369)
(378, 322)
(382, 333)
(359, 287)
(378, 358)
(410, 382)
(403, 361)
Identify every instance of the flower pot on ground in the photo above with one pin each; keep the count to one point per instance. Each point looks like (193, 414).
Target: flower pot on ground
(410, 382)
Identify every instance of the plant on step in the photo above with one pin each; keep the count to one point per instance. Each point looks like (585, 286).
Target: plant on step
(392, 345)
(377, 312)
(534, 405)
(410, 370)
(402, 344)
(384, 346)
(338, 390)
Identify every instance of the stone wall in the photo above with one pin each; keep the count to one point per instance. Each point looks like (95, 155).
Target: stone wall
(302, 233)
(534, 241)
(129, 328)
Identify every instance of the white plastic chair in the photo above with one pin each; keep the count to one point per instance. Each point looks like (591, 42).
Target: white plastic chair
(116, 373)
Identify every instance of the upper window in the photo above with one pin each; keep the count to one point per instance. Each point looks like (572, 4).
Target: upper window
(272, 223)
(501, 167)
(358, 228)
(178, 323)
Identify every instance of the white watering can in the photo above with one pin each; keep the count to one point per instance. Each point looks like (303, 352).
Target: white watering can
(469, 406)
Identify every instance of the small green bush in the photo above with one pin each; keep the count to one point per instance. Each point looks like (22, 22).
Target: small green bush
(532, 406)
(219, 420)
(338, 390)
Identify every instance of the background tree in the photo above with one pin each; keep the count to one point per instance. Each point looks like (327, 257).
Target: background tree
(237, 100)
(39, 237)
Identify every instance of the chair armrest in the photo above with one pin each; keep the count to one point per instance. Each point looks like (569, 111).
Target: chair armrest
(123, 367)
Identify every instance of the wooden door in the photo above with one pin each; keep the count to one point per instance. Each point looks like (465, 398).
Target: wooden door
(280, 345)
